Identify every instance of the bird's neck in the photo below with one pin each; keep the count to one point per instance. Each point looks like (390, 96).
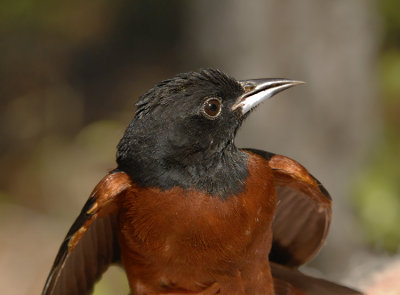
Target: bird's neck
(220, 174)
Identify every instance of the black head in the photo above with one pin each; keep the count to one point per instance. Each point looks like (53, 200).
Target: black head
(183, 131)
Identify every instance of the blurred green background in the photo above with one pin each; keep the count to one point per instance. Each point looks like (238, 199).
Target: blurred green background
(71, 71)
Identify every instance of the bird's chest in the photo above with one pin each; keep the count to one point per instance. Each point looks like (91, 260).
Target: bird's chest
(179, 235)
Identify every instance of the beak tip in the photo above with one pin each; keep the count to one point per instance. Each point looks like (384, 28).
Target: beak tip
(291, 83)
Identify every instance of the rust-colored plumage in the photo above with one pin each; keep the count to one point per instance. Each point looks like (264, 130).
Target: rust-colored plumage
(186, 240)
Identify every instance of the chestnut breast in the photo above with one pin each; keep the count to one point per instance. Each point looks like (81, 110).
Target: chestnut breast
(177, 233)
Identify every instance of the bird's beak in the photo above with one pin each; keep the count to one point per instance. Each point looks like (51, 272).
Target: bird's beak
(258, 90)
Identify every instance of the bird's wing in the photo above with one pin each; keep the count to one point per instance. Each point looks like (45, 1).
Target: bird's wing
(289, 281)
(91, 243)
(303, 213)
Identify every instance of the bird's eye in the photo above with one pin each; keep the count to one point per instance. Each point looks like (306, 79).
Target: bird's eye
(212, 108)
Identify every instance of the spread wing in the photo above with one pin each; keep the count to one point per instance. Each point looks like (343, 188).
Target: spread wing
(91, 243)
(288, 281)
(303, 213)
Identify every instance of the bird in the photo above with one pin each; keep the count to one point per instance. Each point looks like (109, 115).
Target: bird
(186, 211)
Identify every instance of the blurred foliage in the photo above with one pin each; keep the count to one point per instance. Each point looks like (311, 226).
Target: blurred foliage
(378, 188)
(378, 198)
(115, 274)
(66, 65)
(390, 10)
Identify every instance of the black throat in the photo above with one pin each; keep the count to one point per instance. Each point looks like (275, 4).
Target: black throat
(220, 174)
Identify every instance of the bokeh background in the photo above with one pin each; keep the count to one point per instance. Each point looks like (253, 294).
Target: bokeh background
(71, 71)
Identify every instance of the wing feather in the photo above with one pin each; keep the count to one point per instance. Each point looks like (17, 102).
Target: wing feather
(91, 243)
(288, 281)
(303, 213)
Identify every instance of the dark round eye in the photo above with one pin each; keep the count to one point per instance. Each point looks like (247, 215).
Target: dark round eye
(212, 108)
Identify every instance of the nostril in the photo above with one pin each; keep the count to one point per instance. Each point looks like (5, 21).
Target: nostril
(248, 86)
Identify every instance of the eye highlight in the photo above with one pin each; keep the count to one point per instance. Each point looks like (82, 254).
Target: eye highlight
(212, 108)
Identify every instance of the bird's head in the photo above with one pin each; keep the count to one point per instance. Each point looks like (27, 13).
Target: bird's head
(191, 120)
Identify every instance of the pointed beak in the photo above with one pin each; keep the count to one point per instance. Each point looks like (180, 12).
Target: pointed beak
(258, 90)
